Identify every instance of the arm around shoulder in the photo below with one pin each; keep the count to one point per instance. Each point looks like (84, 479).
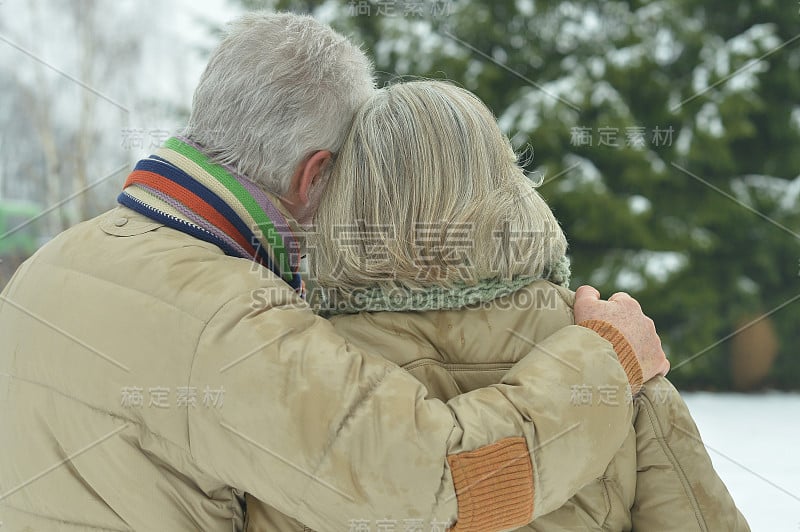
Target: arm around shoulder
(330, 435)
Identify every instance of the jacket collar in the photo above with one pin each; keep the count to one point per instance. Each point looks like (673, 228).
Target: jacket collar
(398, 297)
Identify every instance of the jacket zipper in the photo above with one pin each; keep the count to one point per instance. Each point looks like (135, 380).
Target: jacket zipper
(167, 215)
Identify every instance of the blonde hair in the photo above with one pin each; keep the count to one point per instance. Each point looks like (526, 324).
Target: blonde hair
(426, 190)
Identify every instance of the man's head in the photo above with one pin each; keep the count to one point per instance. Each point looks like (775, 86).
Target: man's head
(276, 101)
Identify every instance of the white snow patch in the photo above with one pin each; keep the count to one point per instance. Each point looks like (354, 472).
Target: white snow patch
(700, 77)
(701, 236)
(630, 280)
(660, 265)
(597, 66)
(639, 204)
(666, 48)
(761, 34)
(656, 163)
(627, 57)
(708, 119)
(747, 285)
(752, 441)
(585, 173)
(642, 266)
(684, 141)
(795, 117)
(784, 192)
(526, 8)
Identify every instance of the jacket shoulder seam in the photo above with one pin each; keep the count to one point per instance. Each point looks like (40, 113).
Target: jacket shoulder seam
(191, 370)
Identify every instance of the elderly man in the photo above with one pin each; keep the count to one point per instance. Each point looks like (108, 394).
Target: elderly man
(159, 361)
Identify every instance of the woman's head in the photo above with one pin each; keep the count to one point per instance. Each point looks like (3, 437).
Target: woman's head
(426, 190)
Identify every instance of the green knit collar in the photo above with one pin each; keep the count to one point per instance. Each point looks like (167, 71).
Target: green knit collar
(402, 298)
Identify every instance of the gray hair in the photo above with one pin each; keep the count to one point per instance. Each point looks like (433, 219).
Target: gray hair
(279, 87)
(427, 191)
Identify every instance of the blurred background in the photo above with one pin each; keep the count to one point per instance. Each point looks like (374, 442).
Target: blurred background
(665, 135)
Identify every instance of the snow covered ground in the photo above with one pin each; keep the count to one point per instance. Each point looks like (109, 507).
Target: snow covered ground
(753, 442)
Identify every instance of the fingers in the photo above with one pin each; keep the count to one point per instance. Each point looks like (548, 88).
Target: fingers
(625, 298)
(586, 294)
(664, 368)
(625, 313)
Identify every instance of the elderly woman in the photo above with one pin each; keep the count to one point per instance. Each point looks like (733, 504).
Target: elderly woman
(444, 256)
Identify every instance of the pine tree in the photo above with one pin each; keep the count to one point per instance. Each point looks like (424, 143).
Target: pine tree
(666, 134)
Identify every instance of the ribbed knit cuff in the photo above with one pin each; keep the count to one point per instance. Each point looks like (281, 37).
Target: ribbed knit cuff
(624, 350)
(494, 486)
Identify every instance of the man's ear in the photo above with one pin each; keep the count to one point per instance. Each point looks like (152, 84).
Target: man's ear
(308, 173)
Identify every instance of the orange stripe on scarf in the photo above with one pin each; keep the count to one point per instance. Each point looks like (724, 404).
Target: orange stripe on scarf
(188, 197)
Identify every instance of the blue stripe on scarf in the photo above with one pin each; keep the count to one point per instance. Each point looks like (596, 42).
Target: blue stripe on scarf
(168, 170)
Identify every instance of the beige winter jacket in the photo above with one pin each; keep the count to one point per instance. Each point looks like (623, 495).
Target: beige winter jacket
(147, 381)
(660, 479)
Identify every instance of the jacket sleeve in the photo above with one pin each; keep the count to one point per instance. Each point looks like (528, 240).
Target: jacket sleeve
(332, 436)
(676, 485)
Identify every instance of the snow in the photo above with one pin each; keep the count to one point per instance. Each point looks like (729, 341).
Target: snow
(638, 204)
(785, 192)
(708, 119)
(752, 440)
(796, 117)
(660, 265)
(586, 174)
(656, 266)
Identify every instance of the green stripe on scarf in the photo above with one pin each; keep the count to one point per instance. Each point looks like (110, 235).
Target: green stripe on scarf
(244, 197)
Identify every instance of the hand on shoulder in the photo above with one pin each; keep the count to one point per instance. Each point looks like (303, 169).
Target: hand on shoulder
(623, 313)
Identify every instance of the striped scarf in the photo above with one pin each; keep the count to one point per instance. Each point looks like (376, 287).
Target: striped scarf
(179, 187)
